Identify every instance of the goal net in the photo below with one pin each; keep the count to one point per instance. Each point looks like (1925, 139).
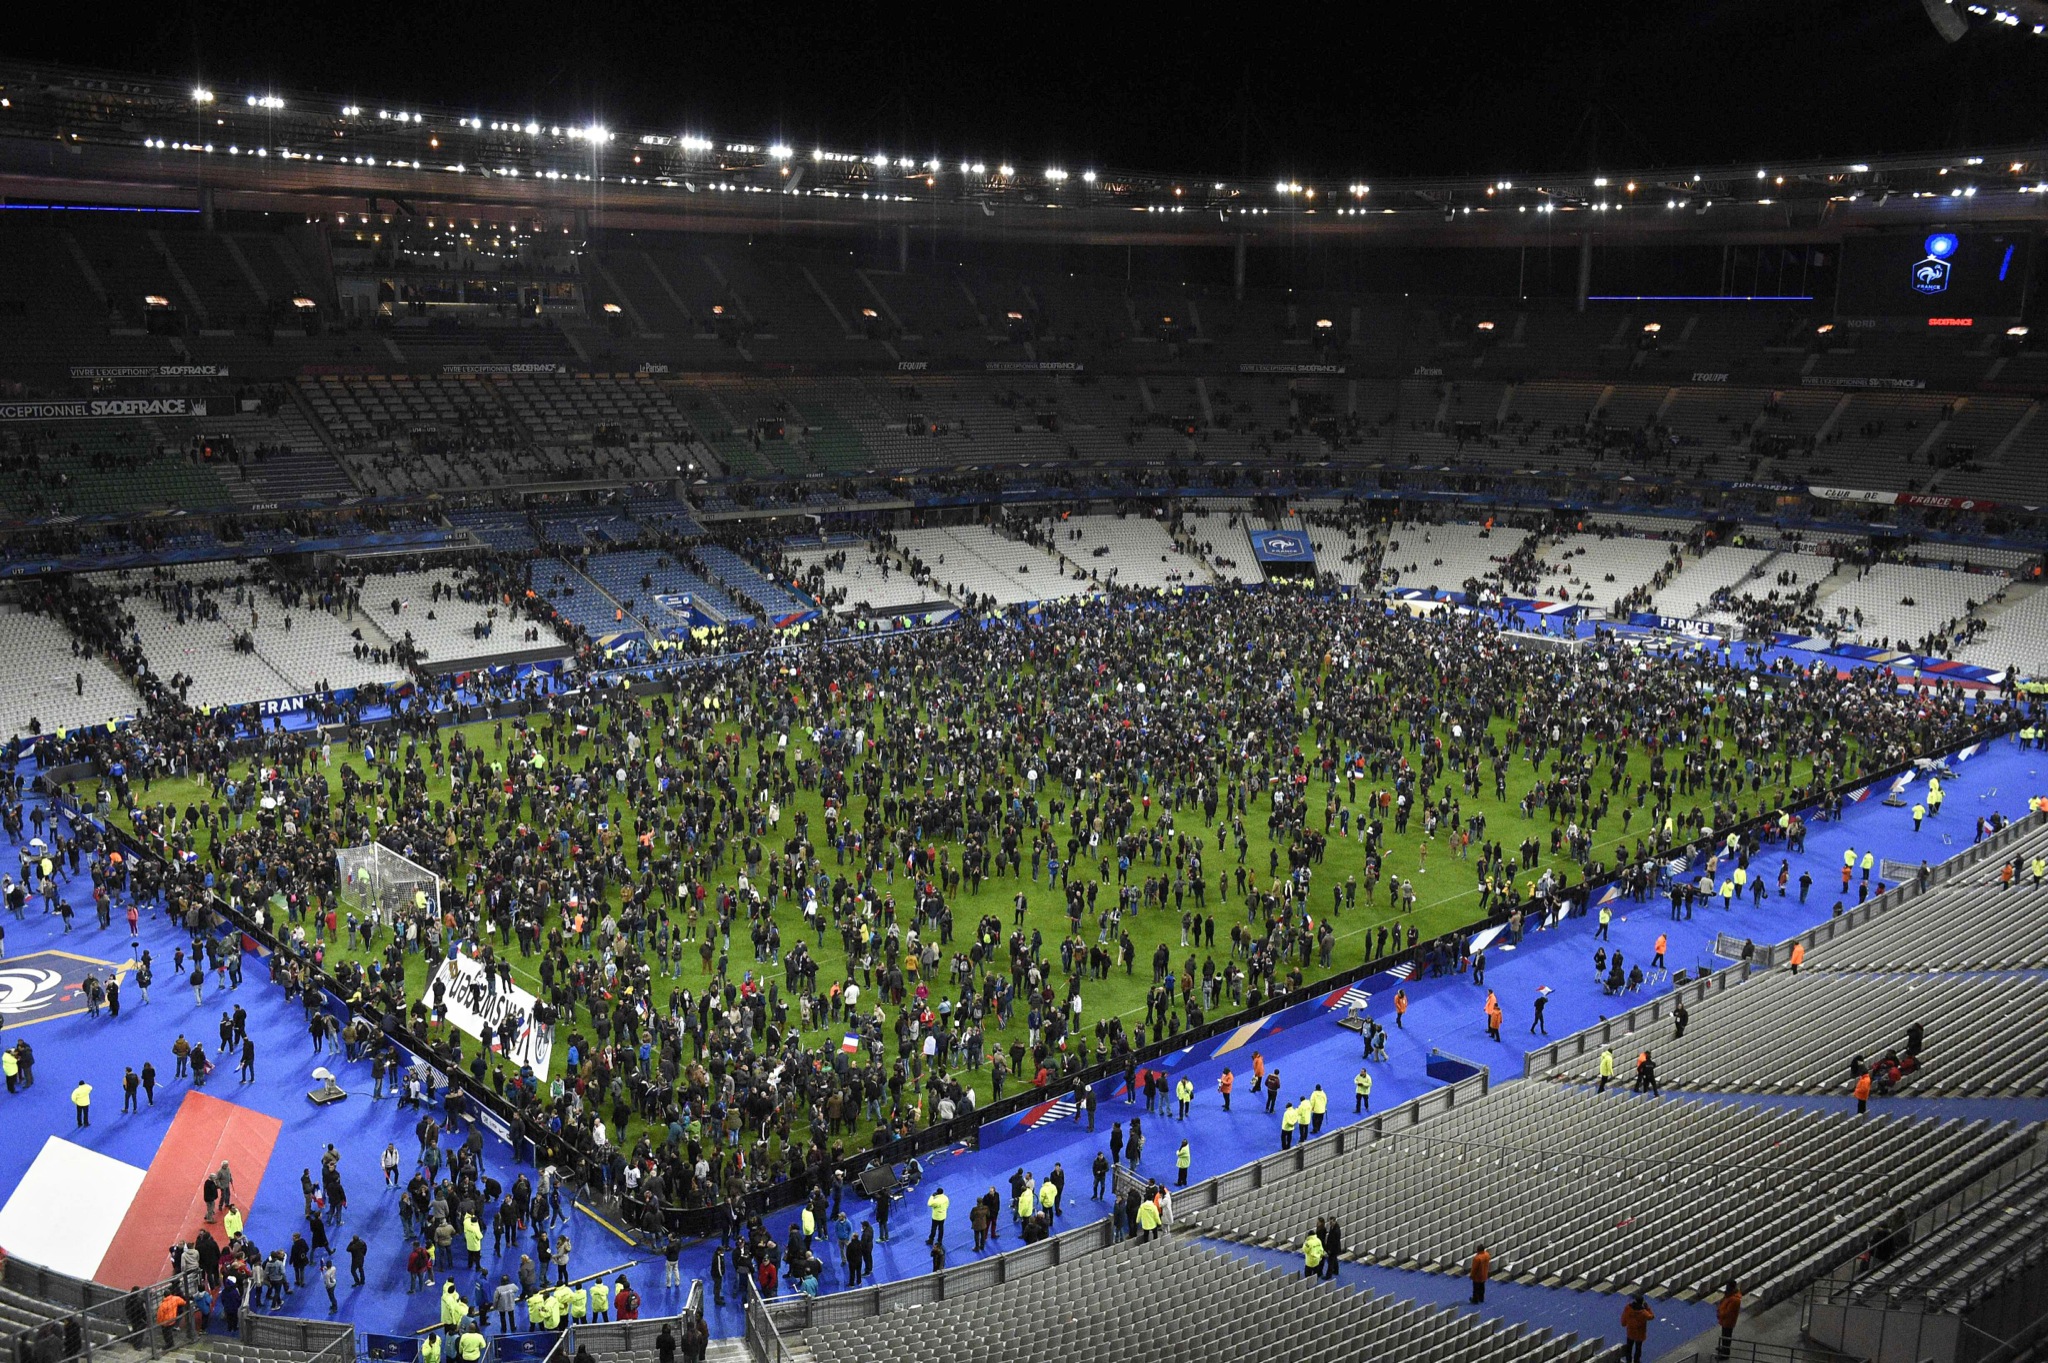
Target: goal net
(382, 884)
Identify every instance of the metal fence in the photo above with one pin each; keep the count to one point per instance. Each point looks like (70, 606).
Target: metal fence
(88, 1319)
(764, 1338)
(342, 1348)
(605, 1339)
(296, 1333)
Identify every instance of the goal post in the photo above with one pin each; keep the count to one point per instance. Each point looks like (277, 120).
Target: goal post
(382, 884)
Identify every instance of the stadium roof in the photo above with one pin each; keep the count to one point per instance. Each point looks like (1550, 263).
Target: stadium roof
(140, 141)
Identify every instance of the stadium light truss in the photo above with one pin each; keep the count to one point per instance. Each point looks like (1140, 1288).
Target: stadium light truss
(1954, 18)
(140, 125)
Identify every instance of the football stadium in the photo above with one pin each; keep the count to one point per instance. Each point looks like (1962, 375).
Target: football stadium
(549, 652)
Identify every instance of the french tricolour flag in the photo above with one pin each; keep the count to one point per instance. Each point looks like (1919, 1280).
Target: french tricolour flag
(851, 1043)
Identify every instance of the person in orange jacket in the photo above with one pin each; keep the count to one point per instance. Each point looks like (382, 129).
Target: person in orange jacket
(168, 1308)
(1480, 1270)
(1798, 956)
(1657, 953)
(1635, 1324)
(1727, 1311)
(1863, 1093)
(1400, 1006)
(1223, 1086)
(1258, 1069)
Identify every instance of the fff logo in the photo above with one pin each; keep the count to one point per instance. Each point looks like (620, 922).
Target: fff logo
(1931, 275)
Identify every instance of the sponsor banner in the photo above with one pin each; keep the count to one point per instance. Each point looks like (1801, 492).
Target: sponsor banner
(1831, 381)
(149, 371)
(391, 1348)
(912, 366)
(457, 371)
(1428, 371)
(1939, 501)
(93, 409)
(494, 1124)
(1293, 369)
(471, 1001)
(1944, 502)
(1854, 494)
(1282, 546)
(1674, 623)
(1033, 366)
(653, 367)
(1701, 377)
(525, 1348)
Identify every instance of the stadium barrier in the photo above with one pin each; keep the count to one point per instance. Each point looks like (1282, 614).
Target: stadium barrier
(716, 1218)
(607, 1339)
(764, 1338)
(297, 1333)
(104, 1319)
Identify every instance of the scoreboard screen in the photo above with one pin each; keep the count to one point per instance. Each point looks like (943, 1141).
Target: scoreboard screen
(1934, 274)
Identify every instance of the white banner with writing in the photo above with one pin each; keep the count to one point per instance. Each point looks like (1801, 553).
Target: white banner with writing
(471, 1002)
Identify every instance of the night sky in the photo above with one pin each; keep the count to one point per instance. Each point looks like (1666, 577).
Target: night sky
(1397, 89)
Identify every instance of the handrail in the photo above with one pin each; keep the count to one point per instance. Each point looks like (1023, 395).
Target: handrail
(764, 1340)
(333, 1346)
(295, 1333)
(119, 1317)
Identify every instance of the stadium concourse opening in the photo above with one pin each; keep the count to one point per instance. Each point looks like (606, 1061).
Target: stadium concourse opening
(1433, 767)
